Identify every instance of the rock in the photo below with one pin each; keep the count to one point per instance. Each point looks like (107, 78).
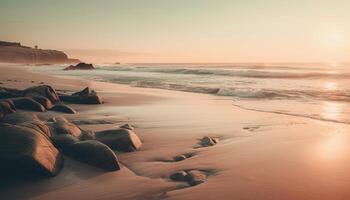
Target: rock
(87, 135)
(179, 158)
(57, 119)
(63, 108)
(38, 126)
(24, 149)
(85, 92)
(89, 99)
(9, 93)
(86, 96)
(208, 141)
(195, 177)
(80, 66)
(92, 121)
(62, 141)
(42, 90)
(6, 107)
(127, 126)
(119, 139)
(94, 153)
(27, 103)
(19, 117)
(60, 128)
(178, 176)
(43, 101)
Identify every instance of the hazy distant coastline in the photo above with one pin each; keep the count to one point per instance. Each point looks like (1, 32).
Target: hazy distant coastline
(13, 52)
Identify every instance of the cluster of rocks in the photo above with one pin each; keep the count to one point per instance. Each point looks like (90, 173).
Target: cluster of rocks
(43, 97)
(80, 66)
(29, 144)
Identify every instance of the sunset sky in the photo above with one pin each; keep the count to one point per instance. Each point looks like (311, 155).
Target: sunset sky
(183, 30)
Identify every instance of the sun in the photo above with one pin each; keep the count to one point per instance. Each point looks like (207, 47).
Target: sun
(333, 39)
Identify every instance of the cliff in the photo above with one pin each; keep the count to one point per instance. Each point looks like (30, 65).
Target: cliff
(16, 53)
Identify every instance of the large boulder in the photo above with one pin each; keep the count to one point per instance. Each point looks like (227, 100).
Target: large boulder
(119, 139)
(19, 117)
(80, 66)
(85, 92)
(27, 150)
(6, 107)
(63, 108)
(87, 135)
(94, 153)
(27, 103)
(61, 128)
(63, 141)
(42, 90)
(86, 96)
(57, 119)
(37, 125)
(9, 93)
(43, 101)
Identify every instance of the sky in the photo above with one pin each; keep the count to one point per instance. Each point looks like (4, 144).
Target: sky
(183, 30)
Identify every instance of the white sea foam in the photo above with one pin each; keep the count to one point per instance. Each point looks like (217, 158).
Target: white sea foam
(309, 84)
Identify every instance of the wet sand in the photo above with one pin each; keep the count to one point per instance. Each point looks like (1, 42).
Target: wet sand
(259, 155)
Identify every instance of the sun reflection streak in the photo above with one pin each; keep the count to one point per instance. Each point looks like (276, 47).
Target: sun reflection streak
(333, 146)
(330, 85)
(331, 110)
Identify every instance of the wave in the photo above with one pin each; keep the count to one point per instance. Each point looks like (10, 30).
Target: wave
(240, 93)
(311, 116)
(237, 72)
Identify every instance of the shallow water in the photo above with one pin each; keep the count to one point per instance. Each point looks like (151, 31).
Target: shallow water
(318, 91)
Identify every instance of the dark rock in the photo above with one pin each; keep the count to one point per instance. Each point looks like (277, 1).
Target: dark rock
(179, 158)
(94, 153)
(42, 90)
(6, 107)
(86, 96)
(92, 121)
(80, 66)
(87, 135)
(43, 101)
(60, 128)
(208, 141)
(62, 141)
(178, 176)
(89, 99)
(85, 92)
(27, 103)
(38, 126)
(24, 149)
(19, 117)
(195, 177)
(63, 108)
(119, 139)
(57, 119)
(9, 93)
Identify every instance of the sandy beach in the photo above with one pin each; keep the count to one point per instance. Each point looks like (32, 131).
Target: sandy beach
(259, 155)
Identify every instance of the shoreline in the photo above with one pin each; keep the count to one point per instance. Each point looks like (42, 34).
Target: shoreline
(259, 156)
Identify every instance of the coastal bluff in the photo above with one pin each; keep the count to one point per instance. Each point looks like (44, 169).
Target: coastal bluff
(12, 52)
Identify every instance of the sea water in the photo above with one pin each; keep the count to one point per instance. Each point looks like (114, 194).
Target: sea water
(314, 90)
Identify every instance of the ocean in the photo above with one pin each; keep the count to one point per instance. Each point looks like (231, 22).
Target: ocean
(313, 90)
